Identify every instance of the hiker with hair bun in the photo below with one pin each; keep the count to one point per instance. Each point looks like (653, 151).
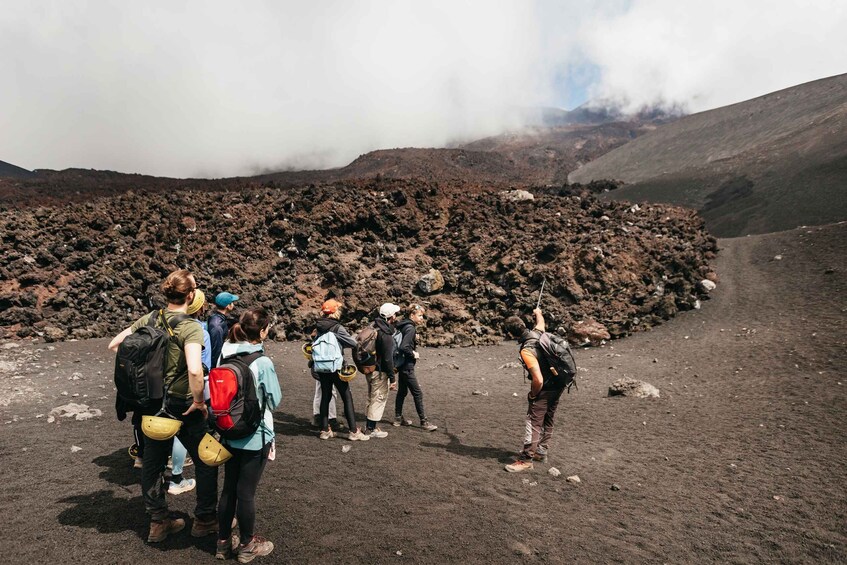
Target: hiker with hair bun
(249, 454)
(183, 379)
(328, 323)
(407, 355)
(378, 381)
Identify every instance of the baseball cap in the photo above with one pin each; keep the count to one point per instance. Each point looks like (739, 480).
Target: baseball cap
(331, 306)
(388, 309)
(197, 303)
(224, 299)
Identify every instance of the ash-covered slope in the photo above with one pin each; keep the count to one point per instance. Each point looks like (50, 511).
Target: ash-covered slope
(86, 270)
(767, 164)
(8, 170)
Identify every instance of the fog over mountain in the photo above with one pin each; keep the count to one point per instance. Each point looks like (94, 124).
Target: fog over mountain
(217, 89)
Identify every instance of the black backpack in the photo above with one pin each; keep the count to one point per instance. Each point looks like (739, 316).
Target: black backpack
(235, 408)
(557, 361)
(140, 362)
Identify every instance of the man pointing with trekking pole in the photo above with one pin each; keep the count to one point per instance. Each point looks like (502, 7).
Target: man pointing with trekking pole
(548, 379)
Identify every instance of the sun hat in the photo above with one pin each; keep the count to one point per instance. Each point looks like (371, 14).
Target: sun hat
(331, 306)
(197, 303)
(388, 310)
(224, 299)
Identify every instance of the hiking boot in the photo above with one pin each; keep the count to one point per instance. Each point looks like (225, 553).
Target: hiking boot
(201, 528)
(161, 529)
(519, 466)
(257, 547)
(227, 548)
(183, 486)
(139, 463)
(540, 455)
(327, 434)
(427, 427)
(376, 432)
(401, 421)
(358, 436)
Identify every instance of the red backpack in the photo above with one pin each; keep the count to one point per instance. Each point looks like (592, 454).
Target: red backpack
(235, 408)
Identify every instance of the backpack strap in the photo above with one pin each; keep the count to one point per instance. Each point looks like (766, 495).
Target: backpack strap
(244, 356)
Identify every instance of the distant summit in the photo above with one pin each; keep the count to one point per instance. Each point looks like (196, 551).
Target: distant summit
(594, 113)
(8, 170)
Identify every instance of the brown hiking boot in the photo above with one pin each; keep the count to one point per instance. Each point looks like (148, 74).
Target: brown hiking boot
(161, 529)
(257, 547)
(201, 528)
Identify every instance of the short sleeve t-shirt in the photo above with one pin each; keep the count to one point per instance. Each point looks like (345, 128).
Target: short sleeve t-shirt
(176, 370)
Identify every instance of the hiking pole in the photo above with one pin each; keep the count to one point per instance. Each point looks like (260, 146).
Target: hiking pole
(540, 292)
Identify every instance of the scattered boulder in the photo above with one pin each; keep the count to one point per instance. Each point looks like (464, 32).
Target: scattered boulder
(633, 387)
(431, 282)
(189, 224)
(554, 472)
(707, 286)
(52, 333)
(78, 412)
(518, 195)
(589, 331)
(574, 479)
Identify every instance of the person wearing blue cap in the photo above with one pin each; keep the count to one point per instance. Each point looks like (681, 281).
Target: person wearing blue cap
(219, 323)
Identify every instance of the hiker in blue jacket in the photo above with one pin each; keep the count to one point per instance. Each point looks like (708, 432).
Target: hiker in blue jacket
(331, 313)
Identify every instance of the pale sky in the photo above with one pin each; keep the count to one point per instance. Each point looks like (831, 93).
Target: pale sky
(212, 88)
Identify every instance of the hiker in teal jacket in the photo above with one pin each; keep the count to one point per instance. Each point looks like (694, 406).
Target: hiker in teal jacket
(249, 454)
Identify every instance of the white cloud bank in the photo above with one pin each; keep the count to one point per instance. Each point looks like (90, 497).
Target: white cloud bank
(217, 88)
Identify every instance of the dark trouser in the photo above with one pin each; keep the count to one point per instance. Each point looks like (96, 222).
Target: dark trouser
(156, 458)
(539, 422)
(407, 381)
(243, 472)
(137, 433)
(328, 380)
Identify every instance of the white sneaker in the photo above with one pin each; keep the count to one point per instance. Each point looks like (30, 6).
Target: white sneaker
(377, 433)
(357, 436)
(327, 434)
(179, 488)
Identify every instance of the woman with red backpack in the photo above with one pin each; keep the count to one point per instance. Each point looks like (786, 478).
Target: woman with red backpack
(249, 454)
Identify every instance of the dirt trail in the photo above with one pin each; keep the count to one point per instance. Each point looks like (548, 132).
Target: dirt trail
(741, 460)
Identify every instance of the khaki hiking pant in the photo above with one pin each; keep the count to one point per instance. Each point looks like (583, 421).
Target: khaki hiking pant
(377, 395)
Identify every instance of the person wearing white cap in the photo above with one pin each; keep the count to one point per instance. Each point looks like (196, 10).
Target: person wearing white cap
(378, 381)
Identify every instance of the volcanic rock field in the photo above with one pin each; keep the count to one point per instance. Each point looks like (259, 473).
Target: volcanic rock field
(83, 270)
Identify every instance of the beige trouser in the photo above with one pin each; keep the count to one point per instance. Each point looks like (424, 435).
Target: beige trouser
(377, 395)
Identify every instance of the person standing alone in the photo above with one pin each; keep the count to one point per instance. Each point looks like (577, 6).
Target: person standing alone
(544, 392)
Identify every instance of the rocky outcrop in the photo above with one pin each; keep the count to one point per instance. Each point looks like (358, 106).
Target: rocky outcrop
(88, 270)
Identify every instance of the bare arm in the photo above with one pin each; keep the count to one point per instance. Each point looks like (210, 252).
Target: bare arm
(119, 339)
(539, 320)
(193, 361)
(537, 381)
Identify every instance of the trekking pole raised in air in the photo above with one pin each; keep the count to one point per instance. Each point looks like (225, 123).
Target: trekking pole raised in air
(540, 292)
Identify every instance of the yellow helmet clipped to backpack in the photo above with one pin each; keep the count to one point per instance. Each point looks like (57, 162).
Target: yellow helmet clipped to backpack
(347, 373)
(159, 427)
(212, 452)
(307, 350)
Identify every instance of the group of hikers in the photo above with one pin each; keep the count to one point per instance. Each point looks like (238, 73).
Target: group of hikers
(219, 391)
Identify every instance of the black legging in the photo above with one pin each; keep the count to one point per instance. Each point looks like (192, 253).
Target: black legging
(408, 382)
(243, 472)
(328, 380)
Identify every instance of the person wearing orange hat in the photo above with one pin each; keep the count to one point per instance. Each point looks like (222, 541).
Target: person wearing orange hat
(331, 313)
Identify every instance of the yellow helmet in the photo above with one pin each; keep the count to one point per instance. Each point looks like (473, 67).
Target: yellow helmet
(347, 373)
(307, 351)
(159, 427)
(212, 452)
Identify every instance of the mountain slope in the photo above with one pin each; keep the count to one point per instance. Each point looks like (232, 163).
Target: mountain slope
(8, 170)
(763, 165)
